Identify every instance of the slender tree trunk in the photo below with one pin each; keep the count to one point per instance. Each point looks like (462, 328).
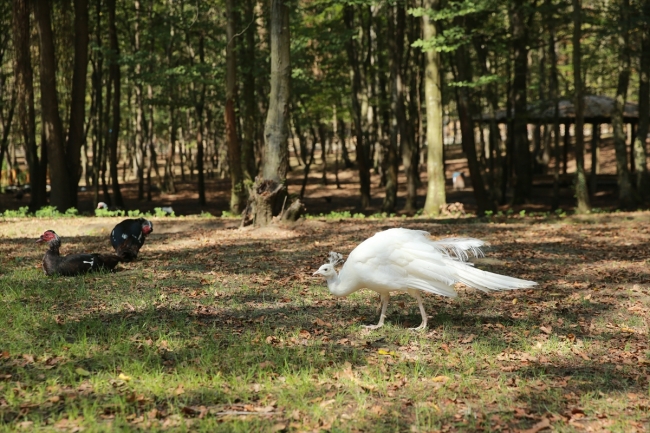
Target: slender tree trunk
(114, 78)
(523, 180)
(581, 190)
(24, 82)
(139, 110)
(361, 146)
(465, 115)
(53, 128)
(391, 164)
(76, 135)
(626, 196)
(436, 195)
(200, 133)
(640, 149)
(237, 190)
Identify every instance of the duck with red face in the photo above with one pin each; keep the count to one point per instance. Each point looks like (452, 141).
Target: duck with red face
(128, 237)
(74, 264)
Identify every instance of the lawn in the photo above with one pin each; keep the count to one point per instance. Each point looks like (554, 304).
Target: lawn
(219, 329)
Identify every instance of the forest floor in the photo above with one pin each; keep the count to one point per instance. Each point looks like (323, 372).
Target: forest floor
(216, 328)
(323, 197)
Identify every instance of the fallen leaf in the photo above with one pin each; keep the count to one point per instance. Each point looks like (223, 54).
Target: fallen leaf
(442, 379)
(468, 339)
(546, 329)
(124, 377)
(543, 424)
(386, 352)
(267, 364)
(81, 372)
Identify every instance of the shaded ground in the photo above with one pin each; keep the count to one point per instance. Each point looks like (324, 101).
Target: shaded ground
(219, 329)
(320, 198)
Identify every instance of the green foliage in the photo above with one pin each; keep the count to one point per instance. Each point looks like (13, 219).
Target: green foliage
(228, 214)
(206, 215)
(159, 212)
(20, 213)
(108, 213)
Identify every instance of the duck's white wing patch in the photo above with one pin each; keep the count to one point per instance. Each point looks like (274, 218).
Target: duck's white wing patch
(90, 262)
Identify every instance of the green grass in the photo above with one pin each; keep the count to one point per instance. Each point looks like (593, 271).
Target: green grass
(215, 329)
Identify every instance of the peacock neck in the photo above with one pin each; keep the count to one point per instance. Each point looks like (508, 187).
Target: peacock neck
(339, 286)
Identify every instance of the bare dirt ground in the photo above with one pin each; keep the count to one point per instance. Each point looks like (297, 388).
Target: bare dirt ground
(324, 198)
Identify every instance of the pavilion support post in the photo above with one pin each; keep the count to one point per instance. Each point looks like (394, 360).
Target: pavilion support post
(595, 151)
(632, 134)
(567, 144)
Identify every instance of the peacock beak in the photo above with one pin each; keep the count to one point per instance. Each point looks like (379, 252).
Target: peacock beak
(318, 272)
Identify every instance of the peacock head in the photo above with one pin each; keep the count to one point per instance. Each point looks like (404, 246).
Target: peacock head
(329, 269)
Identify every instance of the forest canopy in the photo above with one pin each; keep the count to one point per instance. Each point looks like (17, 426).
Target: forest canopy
(99, 93)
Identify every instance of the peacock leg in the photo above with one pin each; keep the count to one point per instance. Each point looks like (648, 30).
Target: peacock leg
(416, 295)
(384, 305)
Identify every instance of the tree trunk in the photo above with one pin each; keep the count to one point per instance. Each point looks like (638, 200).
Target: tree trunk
(269, 190)
(436, 195)
(237, 190)
(53, 129)
(361, 146)
(24, 82)
(640, 150)
(249, 126)
(396, 33)
(521, 157)
(76, 135)
(276, 127)
(626, 196)
(465, 115)
(581, 190)
(114, 77)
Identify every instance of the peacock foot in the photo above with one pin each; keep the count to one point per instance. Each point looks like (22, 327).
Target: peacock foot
(422, 327)
(377, 326)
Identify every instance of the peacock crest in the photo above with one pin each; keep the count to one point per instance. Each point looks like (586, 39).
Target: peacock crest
(335, 258)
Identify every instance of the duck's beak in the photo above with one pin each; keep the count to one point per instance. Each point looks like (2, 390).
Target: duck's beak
(39, 240)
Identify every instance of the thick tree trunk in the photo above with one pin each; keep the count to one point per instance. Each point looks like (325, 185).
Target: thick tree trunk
(249, 126)
(114, 78)
(640, 147)
(52, 126)
(24, 82)
(276, 127)
(436, 195)
(267, 196)
(76, 135)
(237, 190)
(581, 190)
(361, 147)
(626, 195)
(521, 158)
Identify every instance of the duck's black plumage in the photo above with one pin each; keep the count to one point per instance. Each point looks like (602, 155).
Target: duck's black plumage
(128, 237)
(73, 264)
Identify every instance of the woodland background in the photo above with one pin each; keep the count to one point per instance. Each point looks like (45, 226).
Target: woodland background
(133, 102)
